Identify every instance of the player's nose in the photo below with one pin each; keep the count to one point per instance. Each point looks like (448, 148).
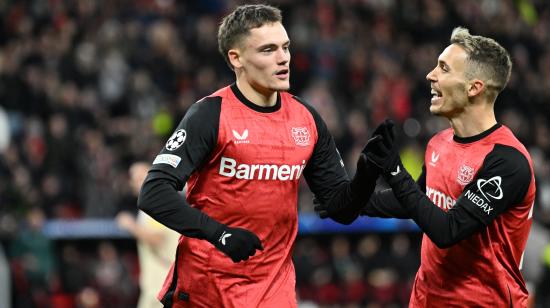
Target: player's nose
(431, 76)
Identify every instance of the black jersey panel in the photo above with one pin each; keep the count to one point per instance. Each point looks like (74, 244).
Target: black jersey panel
(192, 142)
(325, 170)
(502, 181)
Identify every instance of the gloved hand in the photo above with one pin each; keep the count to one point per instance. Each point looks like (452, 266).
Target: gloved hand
(363, 183)
(321, 209)
(383, 132)
(237, 243)
(367, 170)
(382, 151)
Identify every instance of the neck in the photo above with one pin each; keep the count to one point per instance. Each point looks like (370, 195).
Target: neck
(475, 119)
(263, 99)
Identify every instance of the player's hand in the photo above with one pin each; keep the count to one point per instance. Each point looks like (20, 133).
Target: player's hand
(237, 243)
(383, 133)
(125, 220)
(368, 171)
(321, 209)
(381, 150)
(364, 181)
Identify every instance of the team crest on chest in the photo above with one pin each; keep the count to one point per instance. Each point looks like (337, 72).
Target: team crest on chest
(301, 136)
(465, 175)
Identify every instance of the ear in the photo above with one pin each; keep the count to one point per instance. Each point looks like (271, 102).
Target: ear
(475, 87)
(235, 58)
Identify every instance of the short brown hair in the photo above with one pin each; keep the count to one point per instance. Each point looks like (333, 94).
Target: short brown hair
(238, 23)
(487, 60)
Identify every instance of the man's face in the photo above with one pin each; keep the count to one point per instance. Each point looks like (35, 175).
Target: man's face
(449, 83)
(264, 57)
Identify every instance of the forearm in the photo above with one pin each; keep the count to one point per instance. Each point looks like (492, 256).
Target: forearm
(160, 199)
(350, 198)
(343, 200)
(443, 228)
(143, 234)
(384, 204)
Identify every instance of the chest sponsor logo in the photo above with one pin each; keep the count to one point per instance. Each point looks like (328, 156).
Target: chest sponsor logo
(301, 136)
(241, 138)
(229, 167)
(176, 140)
(440, 199)
(435, 158)
(465, 175)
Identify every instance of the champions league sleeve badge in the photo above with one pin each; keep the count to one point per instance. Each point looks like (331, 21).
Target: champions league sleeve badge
(176, 140)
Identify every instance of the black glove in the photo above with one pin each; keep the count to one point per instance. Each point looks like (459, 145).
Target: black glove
(321, 209)
(383, 152)
(237, 243)
(385, 131)
(363, 183)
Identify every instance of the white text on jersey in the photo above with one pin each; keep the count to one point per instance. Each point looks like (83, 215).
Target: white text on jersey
(230, 168)
(477, 200)
(440, 199)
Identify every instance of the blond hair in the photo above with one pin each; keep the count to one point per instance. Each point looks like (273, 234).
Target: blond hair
(487, 60)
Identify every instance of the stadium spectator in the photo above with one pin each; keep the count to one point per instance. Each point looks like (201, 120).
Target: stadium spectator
(156, 243)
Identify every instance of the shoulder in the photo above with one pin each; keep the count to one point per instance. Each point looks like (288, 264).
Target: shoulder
(504, 135)
(300, 103)
(209, 105)
(508, 164)
(222, 93)
(510, 158)
(506, 143)
(445, 135)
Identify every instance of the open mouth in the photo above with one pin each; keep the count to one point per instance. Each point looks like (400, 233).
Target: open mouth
(282, 74)
(435, 93)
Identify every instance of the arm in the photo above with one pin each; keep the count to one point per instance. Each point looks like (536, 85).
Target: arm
(502, 181)
(188, 148)
(128, 222)
(384, 204)
(337, 196)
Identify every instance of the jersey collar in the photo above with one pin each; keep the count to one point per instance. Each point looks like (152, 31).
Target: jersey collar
(253, 106)
(478, 136)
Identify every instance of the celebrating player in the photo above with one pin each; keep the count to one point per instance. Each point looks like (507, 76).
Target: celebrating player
(474, 199)
(242, 151)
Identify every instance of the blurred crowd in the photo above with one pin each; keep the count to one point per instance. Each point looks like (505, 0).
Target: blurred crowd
(88, 87)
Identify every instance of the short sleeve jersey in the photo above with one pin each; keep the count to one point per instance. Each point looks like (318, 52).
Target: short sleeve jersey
(493, 172)
(243, 164)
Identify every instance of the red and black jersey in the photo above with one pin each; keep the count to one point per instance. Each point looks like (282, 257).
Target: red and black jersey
(474, 202)
(242, 164)
(491, 176)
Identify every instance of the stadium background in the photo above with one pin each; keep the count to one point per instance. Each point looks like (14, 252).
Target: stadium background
(88, 87)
